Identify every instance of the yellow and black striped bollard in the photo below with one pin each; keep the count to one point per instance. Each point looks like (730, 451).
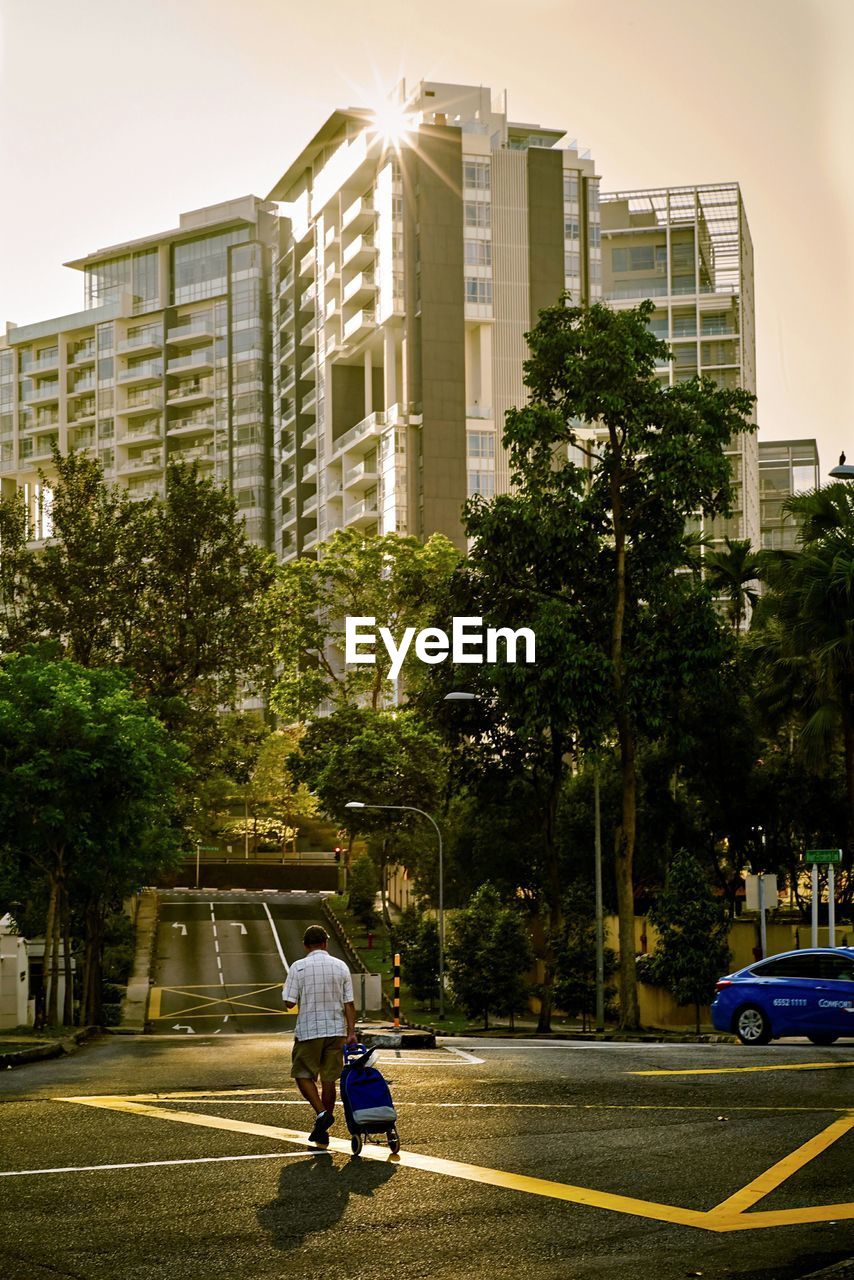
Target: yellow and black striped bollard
(397, 988)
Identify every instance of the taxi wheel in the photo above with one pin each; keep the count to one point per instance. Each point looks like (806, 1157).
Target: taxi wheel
(752, 1026)
(822, 1038)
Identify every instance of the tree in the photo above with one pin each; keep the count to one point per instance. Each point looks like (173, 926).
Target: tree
(488, 952)
(692, 950)
(390, 578)
(575, 983)
(594, 553)
(363, 889)
(88, 798)
(384, 758)
(730, 573)
(170, 591)
(806, 630)
(421, 962)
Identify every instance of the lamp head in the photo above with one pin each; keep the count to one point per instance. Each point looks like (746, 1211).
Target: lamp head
(354, 804)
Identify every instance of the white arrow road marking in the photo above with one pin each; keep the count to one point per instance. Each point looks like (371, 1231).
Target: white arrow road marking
(182, 927)
(180, 1027)
(236, 924)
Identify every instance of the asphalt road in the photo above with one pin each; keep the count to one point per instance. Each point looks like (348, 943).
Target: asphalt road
(550, 1161)
(221, 959)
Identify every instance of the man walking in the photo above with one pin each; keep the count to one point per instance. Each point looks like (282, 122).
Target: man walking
(323, 988)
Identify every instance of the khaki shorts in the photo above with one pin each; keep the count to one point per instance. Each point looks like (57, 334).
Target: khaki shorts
(323, 1057)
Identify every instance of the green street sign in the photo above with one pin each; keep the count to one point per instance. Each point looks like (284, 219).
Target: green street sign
(823, 855)
(208, 848)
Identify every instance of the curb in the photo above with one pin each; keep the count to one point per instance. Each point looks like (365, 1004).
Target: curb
(343, 937)
(607, 1037)
(55, 1049)
(841, 1270)
(135, 1003)
(383, 1036)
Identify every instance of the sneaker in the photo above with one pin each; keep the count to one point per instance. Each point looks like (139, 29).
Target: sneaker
(319, 1135)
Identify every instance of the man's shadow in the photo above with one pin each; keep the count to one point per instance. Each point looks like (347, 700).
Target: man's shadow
(313, 1194)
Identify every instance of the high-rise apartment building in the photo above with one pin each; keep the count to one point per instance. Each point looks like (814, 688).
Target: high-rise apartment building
(169, 359)
(689, 250)
(420, 247)
(786, 468)
(342, 354)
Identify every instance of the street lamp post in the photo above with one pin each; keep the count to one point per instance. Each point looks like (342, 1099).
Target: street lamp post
(410, 808)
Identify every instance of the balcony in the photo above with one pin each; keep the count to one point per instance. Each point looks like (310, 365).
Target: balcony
(286, 284)
(359, 325)
(148, 432)
(191, 391)
(308, 439)
(44, 394)
(84, 412)
(359, 253)
(331, 237)
(81, 385)
(146, 400)
(289, 478)
(482, 411)
(287, 348)
(362, 476)
(331, 274)
(308, 475)
(47, 362)
(203, 454)
(141, 344)
(199, 361)
(361, 514)
(306, 264)
(149, 461)
(306, 300)
(289, 381)
(309, 507)
(360, 214)
(82, 355)
(309, 404)
(84, 440)
(42, 448)
(310, 540)
(308, 369)
(289, 515)
(145, 489)
(367, 429)
(308, 336)
(140, 374)
(193, 331)
(361, 288)
(192, 426)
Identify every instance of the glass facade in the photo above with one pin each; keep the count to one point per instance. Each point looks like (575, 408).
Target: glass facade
(200, 267)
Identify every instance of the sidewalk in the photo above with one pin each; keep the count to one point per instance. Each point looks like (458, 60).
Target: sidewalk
(135, 1003)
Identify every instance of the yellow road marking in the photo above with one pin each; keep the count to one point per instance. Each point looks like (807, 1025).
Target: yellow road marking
(208, 1001)
(768, 1181)
(154, 997)
(726, 1071)
(729, 1215)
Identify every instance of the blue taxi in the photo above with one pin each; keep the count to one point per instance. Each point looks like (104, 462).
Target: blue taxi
(799, 993)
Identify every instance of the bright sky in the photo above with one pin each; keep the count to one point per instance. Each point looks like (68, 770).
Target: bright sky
(119, 114)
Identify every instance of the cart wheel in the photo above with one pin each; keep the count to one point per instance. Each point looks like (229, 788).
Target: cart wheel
(356, 1144)
(394, 1141)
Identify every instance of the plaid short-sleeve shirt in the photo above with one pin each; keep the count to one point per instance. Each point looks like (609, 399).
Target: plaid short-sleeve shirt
(321, 986)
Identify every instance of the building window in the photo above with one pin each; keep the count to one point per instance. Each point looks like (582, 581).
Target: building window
(481, 446)
(476, 174)
(571, 229)
(482, 482)
(570, 187)
(478, 213)
(200, 267)
(478, 253)
(478, 291)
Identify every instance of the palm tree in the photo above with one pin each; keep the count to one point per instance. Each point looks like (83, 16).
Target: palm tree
(810, 608)
(730, 573)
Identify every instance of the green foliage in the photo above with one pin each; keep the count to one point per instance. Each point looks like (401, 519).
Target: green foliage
(575, 981)
(384, 757)
(692, 950)
(169, 591)
(390, 578)
(419, 951)
(488, 954)
(363, 889)
(730, 573)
